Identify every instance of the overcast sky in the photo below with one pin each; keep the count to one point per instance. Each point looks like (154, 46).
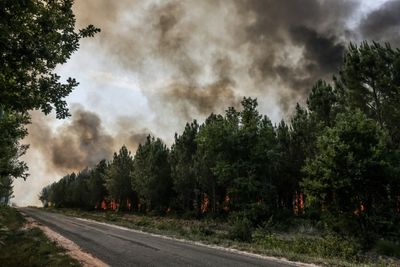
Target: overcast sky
(158, 64)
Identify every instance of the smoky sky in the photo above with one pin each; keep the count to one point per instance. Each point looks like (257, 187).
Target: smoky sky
(191, 58)
(197, 57)
(81, 142)
(383, 25)
(274, 48)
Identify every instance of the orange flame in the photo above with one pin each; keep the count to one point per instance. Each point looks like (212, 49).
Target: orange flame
(205, 204)
(129, 204)
(359, 210)
(114, 204)
(299, 203)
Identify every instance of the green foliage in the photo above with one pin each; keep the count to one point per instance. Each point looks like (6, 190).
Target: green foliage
(6, 189)
(118, 177)
(212, 159)
(84, 190)
(151, 175)
(350, 171)
(323, 104)
(183, 170)
(96, 184)
(370, 81)
(241, 230)
(36, 36)
(27, 247)
(329, 246)
(12, 130)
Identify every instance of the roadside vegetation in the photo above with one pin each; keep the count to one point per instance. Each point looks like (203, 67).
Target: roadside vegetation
(25, 246)
(298, 241)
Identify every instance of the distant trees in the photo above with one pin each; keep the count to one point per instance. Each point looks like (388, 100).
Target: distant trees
(336, 160)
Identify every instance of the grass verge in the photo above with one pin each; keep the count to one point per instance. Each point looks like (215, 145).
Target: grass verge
(302, 243)
(20, 246)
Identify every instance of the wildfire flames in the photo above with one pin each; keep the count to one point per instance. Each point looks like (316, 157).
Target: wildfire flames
(298, 203)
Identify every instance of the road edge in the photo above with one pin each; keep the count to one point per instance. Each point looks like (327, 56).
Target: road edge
(231, 250)
(71, 248)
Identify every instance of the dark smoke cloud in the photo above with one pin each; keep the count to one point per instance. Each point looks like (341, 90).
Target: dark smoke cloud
(317, 27)
(158, 42)
(130, 132)
(190, 43)
(189, 100)
(322, 53)
(383, 25)
(82, 142)
(275, 47)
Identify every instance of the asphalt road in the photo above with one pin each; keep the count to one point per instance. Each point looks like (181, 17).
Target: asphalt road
(122, 247)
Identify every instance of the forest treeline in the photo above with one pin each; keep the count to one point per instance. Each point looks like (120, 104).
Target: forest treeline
(336, 160)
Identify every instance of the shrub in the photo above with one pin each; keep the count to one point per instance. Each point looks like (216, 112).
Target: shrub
(241, 230)
(334, 246)
(144, 222)
(203, 230)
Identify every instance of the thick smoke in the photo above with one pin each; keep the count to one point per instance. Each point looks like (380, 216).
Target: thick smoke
(189, 100)
(275, 48)
(383, 25)
(81, 142)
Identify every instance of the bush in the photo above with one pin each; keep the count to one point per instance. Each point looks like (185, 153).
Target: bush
(334, 246)
(111, 216)
(144, 222)
(241, 230)
(189, 215)
(203, 230)
(329, 246)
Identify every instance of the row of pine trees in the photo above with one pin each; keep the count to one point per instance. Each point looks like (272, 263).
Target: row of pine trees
(337, 159)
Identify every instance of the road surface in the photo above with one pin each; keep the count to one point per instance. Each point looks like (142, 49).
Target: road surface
(122, 247)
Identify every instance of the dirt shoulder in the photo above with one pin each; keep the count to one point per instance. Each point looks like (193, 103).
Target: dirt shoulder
(72, 249)
(22, 244)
